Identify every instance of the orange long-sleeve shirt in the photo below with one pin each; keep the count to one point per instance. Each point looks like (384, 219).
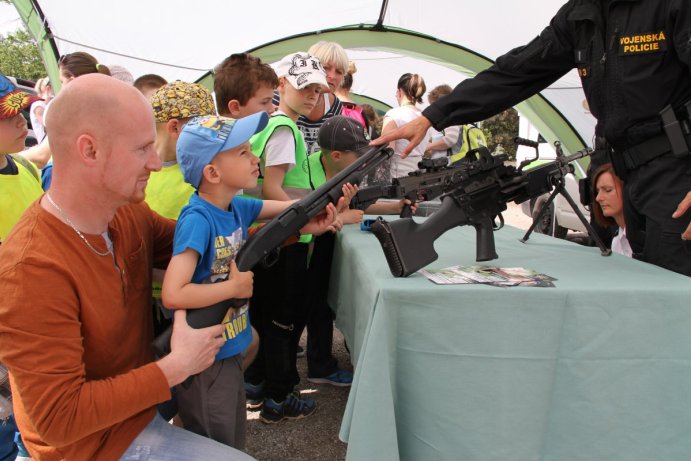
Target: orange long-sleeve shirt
(76, 329)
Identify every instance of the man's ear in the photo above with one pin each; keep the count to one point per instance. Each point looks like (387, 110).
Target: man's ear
(234, 108)
(87, 148)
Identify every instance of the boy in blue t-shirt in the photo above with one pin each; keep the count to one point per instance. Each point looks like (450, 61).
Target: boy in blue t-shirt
(215, 158)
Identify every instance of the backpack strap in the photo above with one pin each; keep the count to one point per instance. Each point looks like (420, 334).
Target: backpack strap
(26, 164)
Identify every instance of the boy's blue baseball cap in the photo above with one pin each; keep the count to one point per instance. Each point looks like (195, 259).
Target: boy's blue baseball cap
(203, 138)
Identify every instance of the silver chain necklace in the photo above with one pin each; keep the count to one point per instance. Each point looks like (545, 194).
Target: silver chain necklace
(69, 221)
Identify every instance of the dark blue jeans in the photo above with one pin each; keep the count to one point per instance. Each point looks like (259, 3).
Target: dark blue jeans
(8, 449)
(162, 441)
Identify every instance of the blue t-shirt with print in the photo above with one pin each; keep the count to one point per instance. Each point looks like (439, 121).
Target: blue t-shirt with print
(217, 235)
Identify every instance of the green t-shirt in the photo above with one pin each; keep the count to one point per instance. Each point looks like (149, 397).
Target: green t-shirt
(167, 192)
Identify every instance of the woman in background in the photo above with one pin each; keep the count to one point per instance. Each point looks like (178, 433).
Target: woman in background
(76, 64)
(44, 90)
(609, 209)
(409, 92)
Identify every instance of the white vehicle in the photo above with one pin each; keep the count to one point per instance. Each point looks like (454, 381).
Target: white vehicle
(560, 217)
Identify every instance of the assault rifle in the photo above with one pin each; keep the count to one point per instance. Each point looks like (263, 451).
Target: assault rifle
(427, 183)
(263, 244)
(476, 193)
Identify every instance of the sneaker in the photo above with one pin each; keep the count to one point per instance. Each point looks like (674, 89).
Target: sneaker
(300, 352)
(254, 394)
(339, 378)
(293, 407)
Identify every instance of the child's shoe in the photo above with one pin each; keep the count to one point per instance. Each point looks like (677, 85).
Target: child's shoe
(254, 394)
(293, 407)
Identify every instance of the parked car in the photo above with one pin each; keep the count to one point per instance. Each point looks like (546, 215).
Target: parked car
(560, 217)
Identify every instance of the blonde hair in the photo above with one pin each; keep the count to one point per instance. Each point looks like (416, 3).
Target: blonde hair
(413, 86)
(41, 86)
(330, 53)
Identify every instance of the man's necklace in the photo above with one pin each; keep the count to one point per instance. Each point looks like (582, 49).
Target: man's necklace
(69, 221)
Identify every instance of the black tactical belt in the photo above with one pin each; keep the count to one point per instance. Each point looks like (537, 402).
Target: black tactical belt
(642, 153)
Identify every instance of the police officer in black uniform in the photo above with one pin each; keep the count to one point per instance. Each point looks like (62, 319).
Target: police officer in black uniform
(634, 60)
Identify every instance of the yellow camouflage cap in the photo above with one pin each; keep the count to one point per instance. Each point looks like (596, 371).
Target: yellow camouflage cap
(180, 99)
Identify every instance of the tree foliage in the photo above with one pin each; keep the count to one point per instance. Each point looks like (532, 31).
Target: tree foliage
(19, 56)
(500, 131)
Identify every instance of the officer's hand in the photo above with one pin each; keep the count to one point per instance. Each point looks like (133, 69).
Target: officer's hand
(413, 131)
(681, 209)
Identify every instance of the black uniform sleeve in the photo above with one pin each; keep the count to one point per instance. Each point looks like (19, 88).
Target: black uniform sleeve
(517, 75)
(681, 17)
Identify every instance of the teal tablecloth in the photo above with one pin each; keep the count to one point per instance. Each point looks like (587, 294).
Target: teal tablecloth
(598, 368)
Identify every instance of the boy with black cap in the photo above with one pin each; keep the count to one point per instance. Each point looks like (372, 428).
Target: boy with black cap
(342, 140)
(215, 158)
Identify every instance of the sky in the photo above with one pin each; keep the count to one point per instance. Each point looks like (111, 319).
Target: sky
(9, 19)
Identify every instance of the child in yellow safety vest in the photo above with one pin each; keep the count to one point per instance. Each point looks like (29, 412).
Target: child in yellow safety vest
(19, 187)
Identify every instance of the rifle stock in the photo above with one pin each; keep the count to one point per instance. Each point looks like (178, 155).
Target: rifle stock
(270, 237)
(408, 246)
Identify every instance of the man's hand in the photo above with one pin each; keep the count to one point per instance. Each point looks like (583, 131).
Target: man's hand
(240, 283)
(414, 132)
(681, 209)
(191, 350)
